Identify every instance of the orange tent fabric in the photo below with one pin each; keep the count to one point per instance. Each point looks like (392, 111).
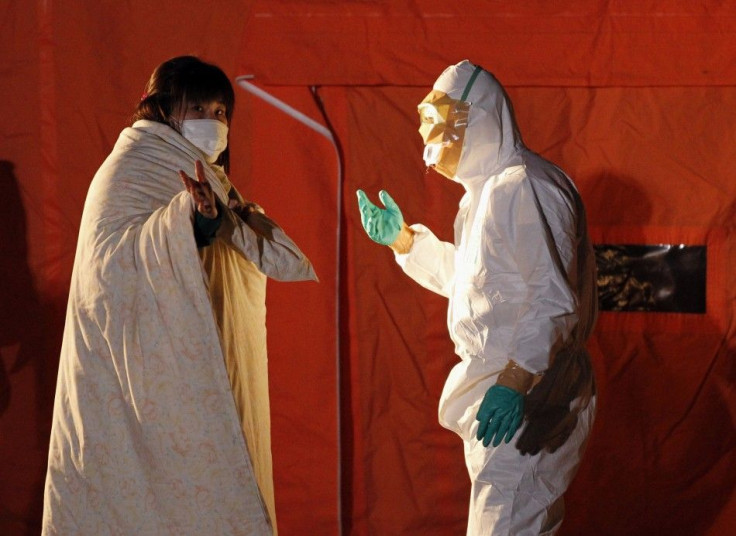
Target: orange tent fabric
(635, 100)
(596, 89)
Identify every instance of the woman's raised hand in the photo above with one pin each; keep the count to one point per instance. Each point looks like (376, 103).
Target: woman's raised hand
(201, 191)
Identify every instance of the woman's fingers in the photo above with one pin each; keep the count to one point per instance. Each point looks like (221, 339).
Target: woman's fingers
(186, 179)
(200, 190)
(199, 171)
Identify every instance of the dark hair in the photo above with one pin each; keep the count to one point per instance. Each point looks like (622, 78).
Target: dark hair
(182, 80)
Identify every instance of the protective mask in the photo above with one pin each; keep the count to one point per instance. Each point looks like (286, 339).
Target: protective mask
(444, 121)
(208, 135)
(443, 124)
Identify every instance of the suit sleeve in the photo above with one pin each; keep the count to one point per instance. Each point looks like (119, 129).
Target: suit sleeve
(538, 226)
(430, 261)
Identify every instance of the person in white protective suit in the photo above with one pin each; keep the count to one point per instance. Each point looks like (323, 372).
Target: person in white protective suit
(520, 279)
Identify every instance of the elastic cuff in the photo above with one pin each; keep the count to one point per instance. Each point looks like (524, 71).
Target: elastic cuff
(404, 241)
(515, 377)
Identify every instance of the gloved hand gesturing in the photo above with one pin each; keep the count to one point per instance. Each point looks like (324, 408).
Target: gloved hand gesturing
(382, 225)
(500, 415)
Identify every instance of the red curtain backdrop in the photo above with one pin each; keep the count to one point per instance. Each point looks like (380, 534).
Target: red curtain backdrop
(635, 100)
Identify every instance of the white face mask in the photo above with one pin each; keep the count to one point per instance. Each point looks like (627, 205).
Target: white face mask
(208, 135)
(432, 153)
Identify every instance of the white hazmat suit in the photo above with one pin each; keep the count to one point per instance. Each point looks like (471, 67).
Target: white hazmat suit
(520, 279)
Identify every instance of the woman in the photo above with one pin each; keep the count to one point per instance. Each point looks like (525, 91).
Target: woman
(161, 419)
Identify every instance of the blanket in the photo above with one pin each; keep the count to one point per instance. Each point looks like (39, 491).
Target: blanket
(156, 429)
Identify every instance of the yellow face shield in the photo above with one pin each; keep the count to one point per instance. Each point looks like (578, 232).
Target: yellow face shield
(443, 123)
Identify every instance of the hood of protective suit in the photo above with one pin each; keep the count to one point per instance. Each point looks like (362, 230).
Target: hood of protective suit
(492, 140)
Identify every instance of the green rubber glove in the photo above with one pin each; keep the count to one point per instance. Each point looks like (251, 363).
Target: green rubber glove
(500, 415)
(382, 225)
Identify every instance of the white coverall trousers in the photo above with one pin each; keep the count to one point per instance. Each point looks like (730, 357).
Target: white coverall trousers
(520, 495)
